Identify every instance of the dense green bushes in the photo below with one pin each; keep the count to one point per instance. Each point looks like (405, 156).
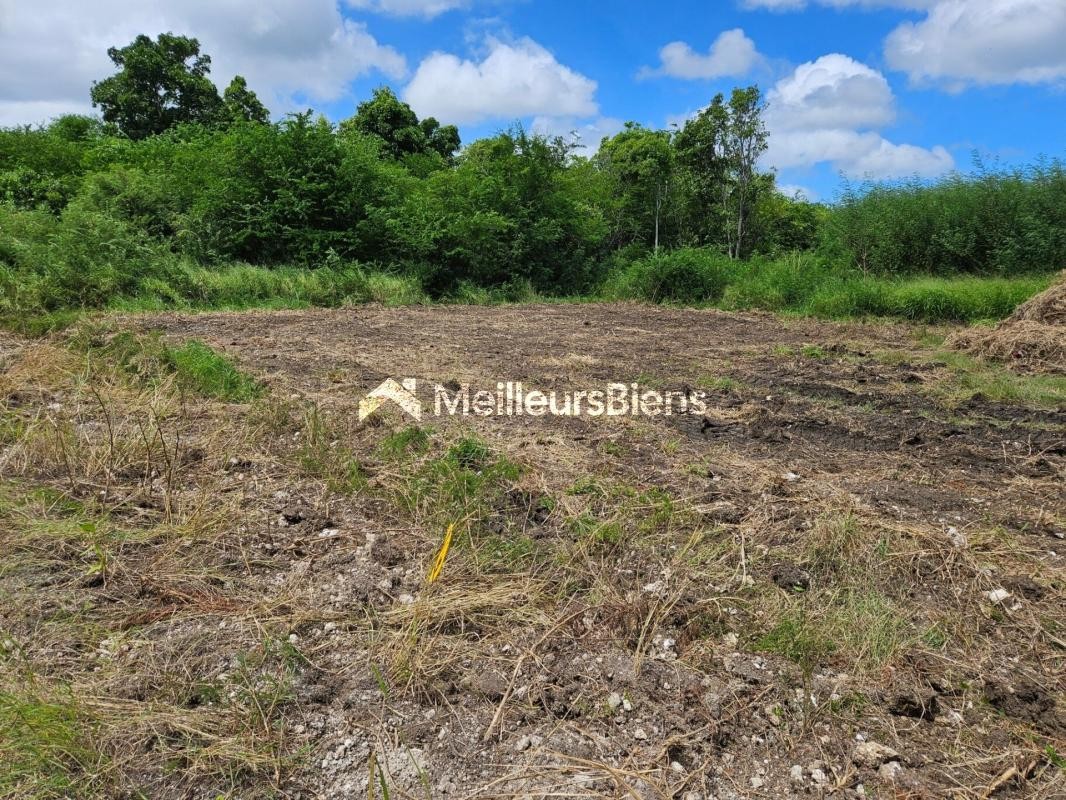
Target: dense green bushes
(302, 213)
(687, 275)
(808, 284)
(989, 223)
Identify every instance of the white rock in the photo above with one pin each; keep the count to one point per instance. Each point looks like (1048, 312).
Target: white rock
(997, 595)
(757, 782)
(796, 774)
(873, 754)
(890, 772)
(640, 734)
(614, 700)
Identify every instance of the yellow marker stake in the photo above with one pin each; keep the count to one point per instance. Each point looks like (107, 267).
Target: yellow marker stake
(438, 563)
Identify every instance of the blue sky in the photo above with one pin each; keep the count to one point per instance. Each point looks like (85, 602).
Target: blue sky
(857, 88)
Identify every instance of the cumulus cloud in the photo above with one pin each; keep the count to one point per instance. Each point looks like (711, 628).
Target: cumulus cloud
(830, 111)
(291, 51)
(833, 92)
(795, 5)
(732, 53)
(964, 42)
(983, 42)
(793, 190)
(516, 79)
(409, 8)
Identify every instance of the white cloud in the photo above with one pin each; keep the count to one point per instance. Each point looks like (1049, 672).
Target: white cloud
(732, 53)
(289, 50)
(833, 92)
(795, 5)
(830, 111)
(518, 79)
(983, 42)
(963, 42)
(409, 8)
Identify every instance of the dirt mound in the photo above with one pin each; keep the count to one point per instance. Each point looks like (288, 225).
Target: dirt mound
(1033, 338)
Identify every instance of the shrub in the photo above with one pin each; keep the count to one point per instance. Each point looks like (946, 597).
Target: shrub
(688, 275)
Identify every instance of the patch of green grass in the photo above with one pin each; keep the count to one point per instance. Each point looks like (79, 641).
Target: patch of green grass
(463, 484)
(603, 532)
(505, 553)
(859, 628)
(814, 351)
(836, 545)
(46, 748)
(798, 639)
(39, 325)
(410, 440)
(972, 377)
(212, 374)
(718, 383)
(322, 455)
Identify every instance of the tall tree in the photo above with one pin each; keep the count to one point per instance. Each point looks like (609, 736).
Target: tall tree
(719, 150)
(394, 122)
(744, 143)
(240, 103)
(642, 162)
(159, 84)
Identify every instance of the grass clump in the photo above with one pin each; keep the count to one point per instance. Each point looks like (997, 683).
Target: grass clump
(211, 374)
(973, 378)
(46, 748)
(412, 439)
(812, 285)
(858, 628)
(464, 484)
(322, 455)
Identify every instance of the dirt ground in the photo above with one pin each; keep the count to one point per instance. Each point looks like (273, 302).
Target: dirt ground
(844, 579)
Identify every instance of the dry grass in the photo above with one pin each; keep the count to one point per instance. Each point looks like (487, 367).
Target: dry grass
(190, 586)
(1032, 339)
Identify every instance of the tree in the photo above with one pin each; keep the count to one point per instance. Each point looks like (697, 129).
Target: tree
(241, 104)
(720, 149)
(159, 84)
(642, 163)
(744, 143)
(396, 124)
(700, 149)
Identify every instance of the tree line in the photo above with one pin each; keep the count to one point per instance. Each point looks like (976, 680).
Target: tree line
(173, 168)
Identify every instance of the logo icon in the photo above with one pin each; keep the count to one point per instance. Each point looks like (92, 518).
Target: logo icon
(402, 394)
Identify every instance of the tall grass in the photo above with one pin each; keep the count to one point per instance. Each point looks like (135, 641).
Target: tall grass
(809, 285)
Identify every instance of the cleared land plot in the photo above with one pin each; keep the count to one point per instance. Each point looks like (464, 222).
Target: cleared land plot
(213, 580)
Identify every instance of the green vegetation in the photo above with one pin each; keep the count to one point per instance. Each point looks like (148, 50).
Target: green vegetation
(182, 198)
(211, 374)
(46, 748)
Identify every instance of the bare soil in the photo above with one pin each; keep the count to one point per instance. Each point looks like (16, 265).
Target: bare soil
(847, 578)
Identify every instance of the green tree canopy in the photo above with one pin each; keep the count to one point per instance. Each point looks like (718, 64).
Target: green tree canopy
(241, 104)
(159, 84)
(394, 122)
(641, 162)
